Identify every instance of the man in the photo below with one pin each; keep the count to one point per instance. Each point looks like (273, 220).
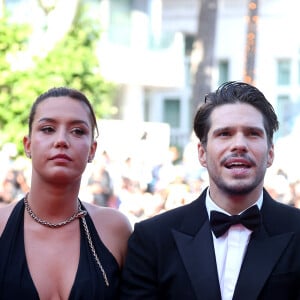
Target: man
(185, 253)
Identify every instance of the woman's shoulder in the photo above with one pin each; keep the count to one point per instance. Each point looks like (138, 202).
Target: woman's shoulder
(113, 228)
(5, 212)
(107, 216)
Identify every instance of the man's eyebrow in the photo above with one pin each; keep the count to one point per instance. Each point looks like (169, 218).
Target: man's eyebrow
(227, 128)
(220, 129)
(255, 128)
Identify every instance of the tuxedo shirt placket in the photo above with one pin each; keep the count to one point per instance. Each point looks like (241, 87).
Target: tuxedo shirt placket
(230, 251)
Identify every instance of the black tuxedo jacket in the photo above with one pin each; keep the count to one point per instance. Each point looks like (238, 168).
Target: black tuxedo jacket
(171, 256)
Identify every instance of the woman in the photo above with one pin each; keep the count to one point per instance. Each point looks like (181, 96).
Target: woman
(52, 245)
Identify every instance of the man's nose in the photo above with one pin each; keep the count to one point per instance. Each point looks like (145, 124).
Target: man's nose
(239, 143)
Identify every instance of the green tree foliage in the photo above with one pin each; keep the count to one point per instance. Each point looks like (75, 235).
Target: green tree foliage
(13, 108)
(72, 62)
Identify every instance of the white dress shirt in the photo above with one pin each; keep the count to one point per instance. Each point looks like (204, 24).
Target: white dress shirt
(230, 250)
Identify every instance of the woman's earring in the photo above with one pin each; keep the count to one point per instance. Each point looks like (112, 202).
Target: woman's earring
(28, 155)
(90, 160)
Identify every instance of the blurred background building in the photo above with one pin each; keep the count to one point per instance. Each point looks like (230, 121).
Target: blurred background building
(165, 55)
(147, 47)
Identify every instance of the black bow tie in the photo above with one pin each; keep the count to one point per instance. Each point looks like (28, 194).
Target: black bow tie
(220, 222)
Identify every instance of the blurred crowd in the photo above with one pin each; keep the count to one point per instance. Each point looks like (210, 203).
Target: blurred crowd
(136, 188)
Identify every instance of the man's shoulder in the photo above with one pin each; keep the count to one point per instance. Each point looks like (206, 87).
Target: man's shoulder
(277, 207)
(287, 210)
(174, 216)
(280, 216)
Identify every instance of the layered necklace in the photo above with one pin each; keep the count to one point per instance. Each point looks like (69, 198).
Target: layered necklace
(80, 214)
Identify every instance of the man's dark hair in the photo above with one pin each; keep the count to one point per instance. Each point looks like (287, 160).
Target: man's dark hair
(235, 92)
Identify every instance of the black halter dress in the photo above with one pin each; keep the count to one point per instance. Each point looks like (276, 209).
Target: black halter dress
(16, 282)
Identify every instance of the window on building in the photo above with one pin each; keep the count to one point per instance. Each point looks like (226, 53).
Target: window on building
(299, 72)
(171, 112)
(120, 22)
(223, 69)
(189, 44)
(283, 72)
(285, 114)
(147, 108)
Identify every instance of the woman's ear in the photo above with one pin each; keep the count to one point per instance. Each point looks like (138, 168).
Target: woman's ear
(92, 151)
(26, 145)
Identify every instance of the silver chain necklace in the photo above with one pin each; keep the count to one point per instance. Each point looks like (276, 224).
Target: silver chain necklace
(79, 214)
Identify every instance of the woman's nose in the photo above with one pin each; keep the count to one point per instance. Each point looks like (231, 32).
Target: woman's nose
(61, 140)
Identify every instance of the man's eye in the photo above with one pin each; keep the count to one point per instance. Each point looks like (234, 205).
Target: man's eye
(224, 133)
(254, 133)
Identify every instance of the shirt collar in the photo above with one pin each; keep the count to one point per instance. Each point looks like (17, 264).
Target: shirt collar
(211, 205)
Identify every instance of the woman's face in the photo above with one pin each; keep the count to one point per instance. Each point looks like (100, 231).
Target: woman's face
(61, 142)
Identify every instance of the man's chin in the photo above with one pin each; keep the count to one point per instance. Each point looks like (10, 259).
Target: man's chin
(239, 190)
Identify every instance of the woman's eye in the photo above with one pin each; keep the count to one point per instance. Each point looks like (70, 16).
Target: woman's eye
(78, 131)
(47, 129)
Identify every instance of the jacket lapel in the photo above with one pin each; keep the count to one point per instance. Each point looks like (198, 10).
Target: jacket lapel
(263, 252)
(195, 245)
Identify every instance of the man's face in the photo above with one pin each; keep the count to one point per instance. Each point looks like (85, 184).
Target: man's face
(237, 153)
